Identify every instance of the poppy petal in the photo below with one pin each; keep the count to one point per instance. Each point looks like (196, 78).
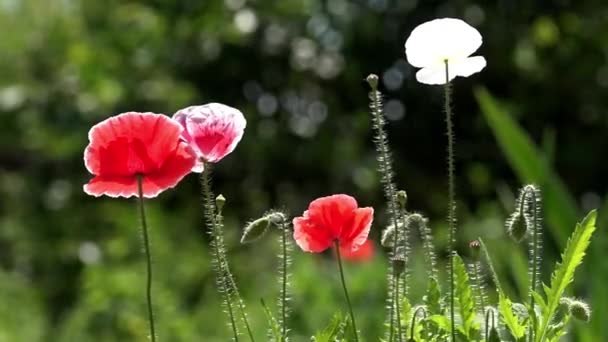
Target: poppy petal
(131, 143)
(113, 186)
(358, 229)
(310, 237)
(213, 130)
(363, 253)
(332, 212)
(174, 169)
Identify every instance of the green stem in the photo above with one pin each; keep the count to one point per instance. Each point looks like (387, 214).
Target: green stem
(479, 283)
(215, 232)
(398, 310)
(533, 262)
(386, 172)
(413, 322)
(284, 285)
(451, 193)
(144, 225)
(350, 308)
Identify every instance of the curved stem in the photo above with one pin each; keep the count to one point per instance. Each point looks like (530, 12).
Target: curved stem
(451, 192)
(144, 226)
(350, 308)
(413, 323)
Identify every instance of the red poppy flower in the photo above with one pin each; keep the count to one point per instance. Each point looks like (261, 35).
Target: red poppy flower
(212, 130)
(333, 218)
(131, 144)
(364, 253)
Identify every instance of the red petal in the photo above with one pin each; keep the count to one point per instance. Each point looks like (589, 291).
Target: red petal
(356, 231)
(363, 253)
(332, 213)
(131, 143)
(113, 186)
(309, 236)
(174, 169)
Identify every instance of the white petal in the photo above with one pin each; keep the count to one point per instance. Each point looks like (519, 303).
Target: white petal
(440, 39)
(433, 75)
(468, 67)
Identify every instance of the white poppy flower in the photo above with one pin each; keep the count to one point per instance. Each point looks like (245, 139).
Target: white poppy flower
(433, 43)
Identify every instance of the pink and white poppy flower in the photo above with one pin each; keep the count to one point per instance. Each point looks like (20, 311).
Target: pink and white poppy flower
(212, 130)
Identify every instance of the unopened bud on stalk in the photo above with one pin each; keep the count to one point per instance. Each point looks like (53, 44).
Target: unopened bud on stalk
(580, 310)
(220, 200)
(475, 247)
(372, 80)
(402, 198)
(255, 230)
(517, 227)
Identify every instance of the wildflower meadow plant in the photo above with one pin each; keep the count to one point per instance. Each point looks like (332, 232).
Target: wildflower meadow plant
(137, 154)
(143, 154)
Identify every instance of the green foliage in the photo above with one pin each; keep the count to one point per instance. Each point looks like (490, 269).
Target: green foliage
(466, 301)
(530, 165)
(563, 275)
(334, 331)
(512, 321)
(432, 298)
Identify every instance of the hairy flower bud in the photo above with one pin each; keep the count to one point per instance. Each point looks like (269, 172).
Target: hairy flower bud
(255, 229)
(475, 247)
(402, 198)
(220, 200)
(580, 310)
(372, 80)
(517, 227)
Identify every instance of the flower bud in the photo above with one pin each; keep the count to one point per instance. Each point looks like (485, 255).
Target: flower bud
(580, 310)
(475, 247)
(220, 200)
(415, 222)
(372, 80)
(402, 198)
(516, 227)
(255, 230)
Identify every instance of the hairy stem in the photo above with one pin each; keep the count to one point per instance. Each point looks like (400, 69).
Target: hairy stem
(386, 171)
(398, 311)
(284, 280)
(451, 193)
(144, 226)
(350, 307)
(216, 247)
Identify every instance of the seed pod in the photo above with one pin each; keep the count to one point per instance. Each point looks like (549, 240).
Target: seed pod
(255, 230)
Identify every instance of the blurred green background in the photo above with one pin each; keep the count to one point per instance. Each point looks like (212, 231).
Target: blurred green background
(71, 266)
